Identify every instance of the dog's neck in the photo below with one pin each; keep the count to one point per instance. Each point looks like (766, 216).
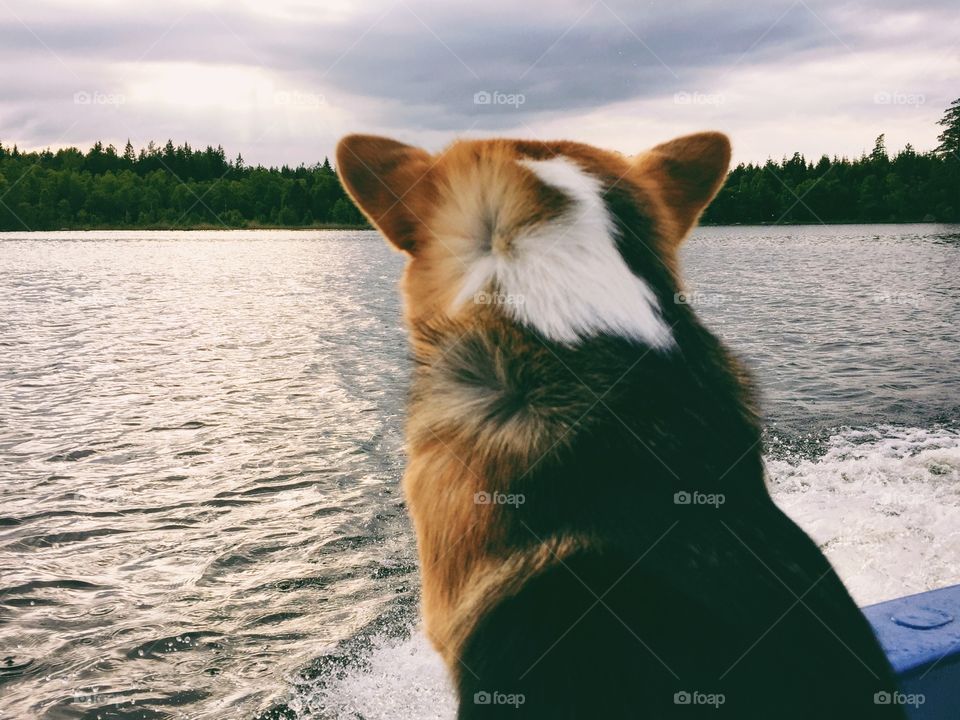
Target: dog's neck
(504, 401)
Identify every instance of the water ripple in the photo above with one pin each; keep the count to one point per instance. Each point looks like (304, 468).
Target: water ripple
(202, 440)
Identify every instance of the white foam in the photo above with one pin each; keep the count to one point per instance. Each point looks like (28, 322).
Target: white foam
(883, 504)
(402, 679)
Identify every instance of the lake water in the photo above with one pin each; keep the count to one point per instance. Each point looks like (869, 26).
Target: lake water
(201, 444)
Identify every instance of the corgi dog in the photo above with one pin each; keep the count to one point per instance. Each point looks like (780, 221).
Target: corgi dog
(595, 534)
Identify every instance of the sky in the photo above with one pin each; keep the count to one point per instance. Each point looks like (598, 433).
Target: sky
(280, 81)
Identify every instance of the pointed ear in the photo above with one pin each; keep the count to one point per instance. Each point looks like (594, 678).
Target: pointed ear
(688, 172)
(380, 175)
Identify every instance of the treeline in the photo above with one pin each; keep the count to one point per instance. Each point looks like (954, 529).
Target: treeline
(908, 187)
(178, 186)
(168, 186)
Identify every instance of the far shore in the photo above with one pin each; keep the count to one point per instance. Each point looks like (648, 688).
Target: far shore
(201, 226)
(336, 226)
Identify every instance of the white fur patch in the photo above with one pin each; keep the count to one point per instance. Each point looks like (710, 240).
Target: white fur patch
(566, 278)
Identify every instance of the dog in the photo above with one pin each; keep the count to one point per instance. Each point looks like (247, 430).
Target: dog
(585, 477)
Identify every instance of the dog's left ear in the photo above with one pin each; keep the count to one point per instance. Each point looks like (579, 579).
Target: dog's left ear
(688, 172)
(380, 175)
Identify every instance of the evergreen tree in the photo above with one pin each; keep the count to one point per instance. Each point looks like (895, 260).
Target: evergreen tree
(949, 139)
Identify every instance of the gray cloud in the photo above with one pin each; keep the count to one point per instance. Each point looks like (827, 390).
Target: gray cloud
(416, 67)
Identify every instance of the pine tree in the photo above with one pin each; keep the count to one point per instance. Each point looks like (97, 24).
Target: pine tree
(949, 139)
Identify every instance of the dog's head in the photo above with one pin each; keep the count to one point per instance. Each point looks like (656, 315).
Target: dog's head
(564, 239)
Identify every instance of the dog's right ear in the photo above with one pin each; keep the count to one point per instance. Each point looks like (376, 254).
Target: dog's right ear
(381, 175)
(689, 172)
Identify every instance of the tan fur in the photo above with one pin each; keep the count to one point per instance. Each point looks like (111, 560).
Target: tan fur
(443, 211)
(482, 198)
(683, 175)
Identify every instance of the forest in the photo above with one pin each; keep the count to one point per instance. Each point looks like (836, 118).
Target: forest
(176, 186)
(164, 187)
(907, 187)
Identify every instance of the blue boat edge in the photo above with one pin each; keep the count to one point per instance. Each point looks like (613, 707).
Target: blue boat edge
(921, 637)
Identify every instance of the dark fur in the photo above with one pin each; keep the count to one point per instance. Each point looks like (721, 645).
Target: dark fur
(686, 590)
(650, 598)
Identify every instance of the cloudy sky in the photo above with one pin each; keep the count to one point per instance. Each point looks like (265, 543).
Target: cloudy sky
(280, 81)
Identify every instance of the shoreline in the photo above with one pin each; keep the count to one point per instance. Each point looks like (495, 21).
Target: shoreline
(195, 228)
(829, 224)
(337, 226)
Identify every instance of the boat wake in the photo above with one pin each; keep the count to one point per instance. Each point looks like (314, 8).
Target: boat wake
(882, 503)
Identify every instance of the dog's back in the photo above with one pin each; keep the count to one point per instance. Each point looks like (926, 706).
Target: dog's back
(585, 473)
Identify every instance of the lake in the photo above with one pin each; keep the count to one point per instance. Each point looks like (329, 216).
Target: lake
(201, 441)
